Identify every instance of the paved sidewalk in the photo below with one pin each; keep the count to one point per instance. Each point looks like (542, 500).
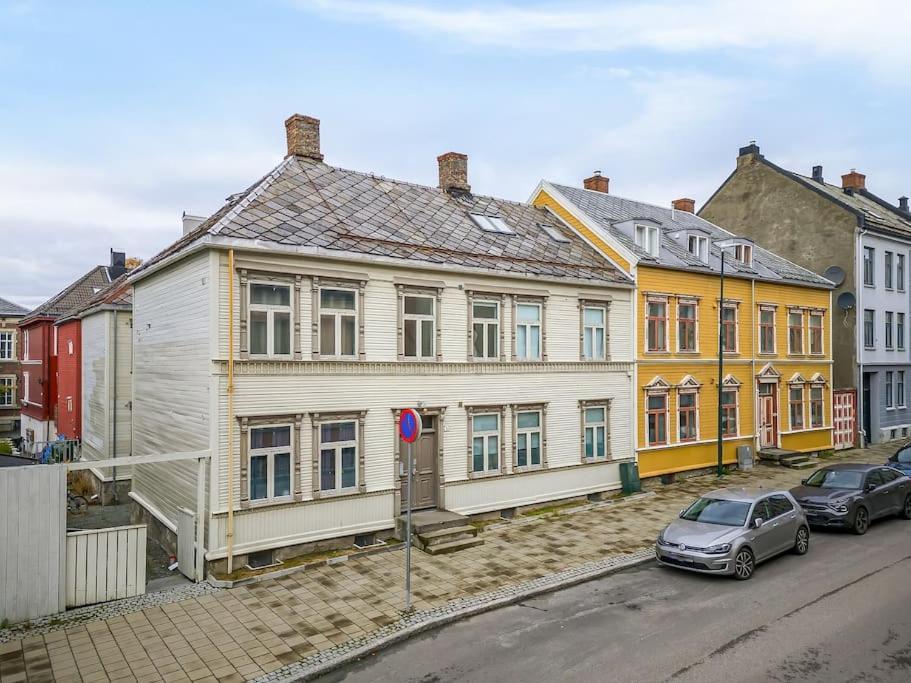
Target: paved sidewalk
(247, 632)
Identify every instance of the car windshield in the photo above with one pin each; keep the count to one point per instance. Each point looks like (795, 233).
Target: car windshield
(836, 479)
(717, 511)
(904, 456)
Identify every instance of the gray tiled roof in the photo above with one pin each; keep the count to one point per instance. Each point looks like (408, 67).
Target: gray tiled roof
(9, 309)
(877, 212)
(75, 295)
(310, 204)
(608, 210)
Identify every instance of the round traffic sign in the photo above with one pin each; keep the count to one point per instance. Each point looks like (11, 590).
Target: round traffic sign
(409, 425)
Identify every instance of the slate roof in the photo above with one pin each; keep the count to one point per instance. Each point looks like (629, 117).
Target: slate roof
(307, 203)
(73, 296)
(607, 210)
(118, 293)
(9, 309)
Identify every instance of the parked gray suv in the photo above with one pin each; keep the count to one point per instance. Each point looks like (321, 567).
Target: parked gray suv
(730, 531)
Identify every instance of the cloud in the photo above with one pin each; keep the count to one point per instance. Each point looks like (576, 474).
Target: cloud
(872, 34)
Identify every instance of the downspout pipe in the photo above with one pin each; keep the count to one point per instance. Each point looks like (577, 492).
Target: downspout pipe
(114, 408)
(859, 330)
(229, 532)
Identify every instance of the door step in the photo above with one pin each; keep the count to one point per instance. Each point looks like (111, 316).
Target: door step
(438, 532)
(453, 546)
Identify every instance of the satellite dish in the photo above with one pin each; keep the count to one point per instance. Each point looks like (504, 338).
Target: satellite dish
(846, 301)
(836, 274)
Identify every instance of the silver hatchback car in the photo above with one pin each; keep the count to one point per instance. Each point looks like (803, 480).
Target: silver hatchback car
(730, 531)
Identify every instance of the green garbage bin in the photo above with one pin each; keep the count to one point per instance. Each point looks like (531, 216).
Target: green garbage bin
(629, 477)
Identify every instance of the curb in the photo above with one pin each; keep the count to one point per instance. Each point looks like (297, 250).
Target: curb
(323, 662)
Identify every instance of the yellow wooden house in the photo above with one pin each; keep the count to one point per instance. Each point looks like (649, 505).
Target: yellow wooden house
(775, 326)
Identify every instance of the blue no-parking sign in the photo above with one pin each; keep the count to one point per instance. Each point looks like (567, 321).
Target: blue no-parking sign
(409, 425)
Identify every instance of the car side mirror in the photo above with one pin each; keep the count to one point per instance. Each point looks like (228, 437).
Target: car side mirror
(870, 487)
(681, 513)
(803, 482)
(757, 522)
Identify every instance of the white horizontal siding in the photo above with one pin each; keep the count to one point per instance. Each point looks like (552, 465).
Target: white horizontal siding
(94, 387)
(171, 376)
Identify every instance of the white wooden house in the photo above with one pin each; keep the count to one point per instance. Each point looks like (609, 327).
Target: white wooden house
(349, 297)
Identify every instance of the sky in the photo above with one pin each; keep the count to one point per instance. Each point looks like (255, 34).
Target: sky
(116, 117)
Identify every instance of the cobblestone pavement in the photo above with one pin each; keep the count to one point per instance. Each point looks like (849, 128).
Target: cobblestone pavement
(247, 632)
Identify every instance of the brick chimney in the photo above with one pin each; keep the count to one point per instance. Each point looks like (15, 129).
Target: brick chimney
(597, 182)
(853, 181)
(817, 174)
(303, 137)
(454, 172)
(684, 204)
(903, 204)
(747, 154)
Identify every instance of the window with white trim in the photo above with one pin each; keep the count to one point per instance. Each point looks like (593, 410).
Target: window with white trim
(900, 272)
(730, 397)
(687, 415)
(766, 329)
(817, 406)
(729, 328)
(816, 334)
(528, 331)
(338, 444)
(491, 223)
(270, 464)
(888, 329)
(647, 238)
(26, 334)
(889, 388)
(528, 438)
(6, 345)
(270, 319)
(795, 332)
(795, 406)
(900, 389)
(338, 322)
(419, 322)
(7, 392)
(594, 439)
(687, 335)
(869, 323)
(485, 330)
(25, 386)
(594, 329)
(900, 331)
(887, 269)
(485, 442)
(698, 246)
(869, 266)
(656, 325)
(744, 254)
(656, 418)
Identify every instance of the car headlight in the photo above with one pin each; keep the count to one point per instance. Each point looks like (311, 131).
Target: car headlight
(838, 506)
(661, 540)
(718, 549)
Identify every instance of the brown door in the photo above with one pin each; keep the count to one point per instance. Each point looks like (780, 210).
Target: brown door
(425, 456)
(768, 415)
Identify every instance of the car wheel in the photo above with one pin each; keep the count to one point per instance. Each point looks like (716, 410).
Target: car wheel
(744, 564)
(861, 521)
(802, 542)
(906, 510)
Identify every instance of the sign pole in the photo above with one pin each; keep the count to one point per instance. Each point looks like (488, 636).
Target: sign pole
(408, 540)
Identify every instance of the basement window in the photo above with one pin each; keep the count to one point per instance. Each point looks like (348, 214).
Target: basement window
(491, 224)
(262, 560)
(554, 234)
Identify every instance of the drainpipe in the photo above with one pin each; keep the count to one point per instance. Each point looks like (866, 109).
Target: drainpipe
(229, 533)
(114, 409)
(754, 332)
(859, 331)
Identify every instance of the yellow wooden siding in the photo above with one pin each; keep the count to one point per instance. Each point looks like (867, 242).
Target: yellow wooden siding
(790, 295)
(543, 199)
(683, 458)
(813, 440)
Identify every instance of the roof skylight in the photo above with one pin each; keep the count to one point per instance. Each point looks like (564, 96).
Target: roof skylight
(491, 224)
(554, 234)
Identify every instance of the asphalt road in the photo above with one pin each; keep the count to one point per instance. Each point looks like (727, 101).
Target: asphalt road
(842, 612)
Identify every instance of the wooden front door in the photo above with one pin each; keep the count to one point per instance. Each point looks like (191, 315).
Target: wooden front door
(768, 415)
(426, 454)
(844, 408)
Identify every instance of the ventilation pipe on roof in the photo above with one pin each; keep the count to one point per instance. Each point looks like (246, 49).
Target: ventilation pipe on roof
(903, 204)
(817, 174)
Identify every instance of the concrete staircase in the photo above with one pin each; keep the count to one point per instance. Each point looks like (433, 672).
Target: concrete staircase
(439, 532)
(789, 459)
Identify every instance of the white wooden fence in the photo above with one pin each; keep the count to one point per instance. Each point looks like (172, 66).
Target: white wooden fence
(105, 564)
(32, 554)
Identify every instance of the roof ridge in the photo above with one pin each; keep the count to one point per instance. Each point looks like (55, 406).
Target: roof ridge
(38, 311)
(249, 196)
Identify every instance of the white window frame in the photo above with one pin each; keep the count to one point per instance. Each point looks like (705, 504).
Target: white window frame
(666, 395)
(822, 333)
(900, 389)
(744, 254)
(728, 305)
(337, 447)
(419, 319)
(888, 321)
(687, 391)
(647, 237)
(269, 454)
(803, 407)
(900, 272)
(338, 314)
(270, 310)
(594, 427)
(871, 325)
(889, 384)
(888, 274)
(649, 300)
(900, 330)
(7, 341)
(791, 350)
(730, 385)
(695, 304)
(817, 386)
(527, 432)
(25, 386)
(701, 244)
(774, 312)
(486, 325)
(588, 332)
(25, 345)
(528, 327)
(7, 391)
(869, 267)
(485, 435)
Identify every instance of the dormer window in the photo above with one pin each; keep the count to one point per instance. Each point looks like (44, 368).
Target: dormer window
(698, 246)
(491, 224)
(744, 254)
(647, 238)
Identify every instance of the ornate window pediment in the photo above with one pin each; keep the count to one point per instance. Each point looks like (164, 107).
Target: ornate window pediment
(731, 381)
(688, 382)
(768, 372)
(658, 383)
(797, 378)
(817, 378)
